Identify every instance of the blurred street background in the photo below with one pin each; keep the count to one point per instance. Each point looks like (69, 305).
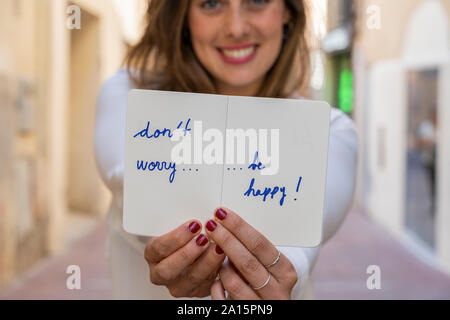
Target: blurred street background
(385, 63)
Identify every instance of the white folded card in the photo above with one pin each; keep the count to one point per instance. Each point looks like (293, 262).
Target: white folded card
(187, 154)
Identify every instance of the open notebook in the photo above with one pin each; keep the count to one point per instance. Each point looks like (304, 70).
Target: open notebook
(187, 154)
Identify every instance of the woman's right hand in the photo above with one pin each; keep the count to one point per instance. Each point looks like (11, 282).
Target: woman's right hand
(184, 261)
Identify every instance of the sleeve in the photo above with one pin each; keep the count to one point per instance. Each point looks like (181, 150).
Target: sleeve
(340, 186)
(109, 132)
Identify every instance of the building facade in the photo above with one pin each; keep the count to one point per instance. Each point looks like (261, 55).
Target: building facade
(54, 54)
(401, 65)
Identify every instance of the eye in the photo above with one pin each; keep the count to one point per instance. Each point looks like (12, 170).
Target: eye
(210, 4)
(257, 3)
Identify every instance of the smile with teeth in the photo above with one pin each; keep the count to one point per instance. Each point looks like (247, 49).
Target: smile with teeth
(239, 53)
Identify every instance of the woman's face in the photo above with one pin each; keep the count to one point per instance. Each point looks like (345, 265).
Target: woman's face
(237, 41)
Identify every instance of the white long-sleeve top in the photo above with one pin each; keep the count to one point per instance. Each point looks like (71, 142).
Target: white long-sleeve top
(125, 252)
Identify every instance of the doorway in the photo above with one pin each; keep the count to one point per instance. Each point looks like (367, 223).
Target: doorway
(421, 166)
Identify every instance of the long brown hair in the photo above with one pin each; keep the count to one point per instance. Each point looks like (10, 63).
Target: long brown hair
(165, 60)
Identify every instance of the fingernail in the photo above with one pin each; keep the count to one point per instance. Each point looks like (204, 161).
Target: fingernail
(201, 240)
(211, 225)
(193, 227)
(219, 250)
(221, 214)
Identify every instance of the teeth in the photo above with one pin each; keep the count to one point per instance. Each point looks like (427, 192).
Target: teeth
(240, 53)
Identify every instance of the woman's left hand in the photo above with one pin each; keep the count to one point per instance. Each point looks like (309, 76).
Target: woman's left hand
(255, 271)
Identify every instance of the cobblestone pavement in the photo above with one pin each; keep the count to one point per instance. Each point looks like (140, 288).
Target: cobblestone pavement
(340, 272)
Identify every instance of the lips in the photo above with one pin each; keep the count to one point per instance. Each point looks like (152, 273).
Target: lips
(238, 54)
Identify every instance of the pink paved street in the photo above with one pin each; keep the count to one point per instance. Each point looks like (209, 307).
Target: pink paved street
(339, 274)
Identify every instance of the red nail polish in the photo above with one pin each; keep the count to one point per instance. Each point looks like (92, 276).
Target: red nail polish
(211, 225)
(201, 240)
(219, 250)
(221, 214)
(193, 227)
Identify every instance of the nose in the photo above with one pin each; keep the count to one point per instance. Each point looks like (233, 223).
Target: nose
(236, 25)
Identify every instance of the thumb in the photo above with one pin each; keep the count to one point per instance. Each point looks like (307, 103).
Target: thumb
(217, 291)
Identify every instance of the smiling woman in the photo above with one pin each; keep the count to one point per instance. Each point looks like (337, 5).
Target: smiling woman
(224, 46)
(237, 54)
(233, 47)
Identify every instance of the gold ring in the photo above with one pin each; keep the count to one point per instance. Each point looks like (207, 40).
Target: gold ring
(274, 262)
(264, 284)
